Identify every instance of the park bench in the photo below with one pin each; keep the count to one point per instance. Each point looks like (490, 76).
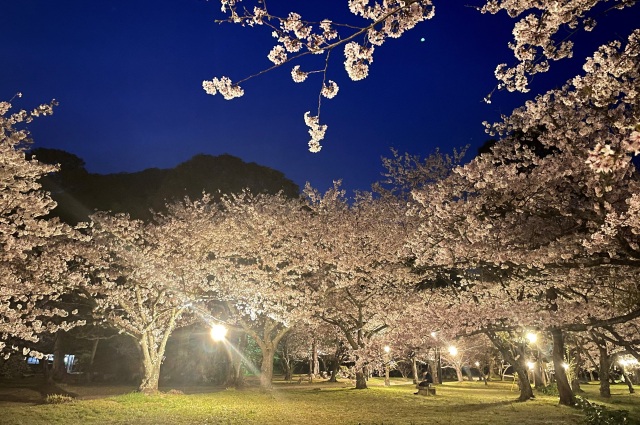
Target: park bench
(430, 390)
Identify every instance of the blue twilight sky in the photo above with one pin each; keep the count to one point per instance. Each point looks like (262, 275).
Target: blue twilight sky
(128, 75)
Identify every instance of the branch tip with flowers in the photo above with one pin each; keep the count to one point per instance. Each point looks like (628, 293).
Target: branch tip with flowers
(389, 19)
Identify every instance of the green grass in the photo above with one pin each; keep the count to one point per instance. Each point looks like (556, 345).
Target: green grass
(319, 403)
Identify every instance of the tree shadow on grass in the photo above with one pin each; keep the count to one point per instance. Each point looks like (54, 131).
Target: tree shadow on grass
(475, 407)
(32, 390)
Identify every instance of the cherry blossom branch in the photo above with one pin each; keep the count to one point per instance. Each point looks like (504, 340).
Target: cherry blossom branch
(395, 17)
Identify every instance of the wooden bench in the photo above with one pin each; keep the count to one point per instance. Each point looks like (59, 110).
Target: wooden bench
(426, 390)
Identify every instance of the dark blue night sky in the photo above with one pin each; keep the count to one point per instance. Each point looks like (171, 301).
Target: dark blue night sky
(128, 76)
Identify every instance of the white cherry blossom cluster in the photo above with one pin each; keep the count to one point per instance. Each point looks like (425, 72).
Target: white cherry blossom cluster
(227, 89)
(316, 131)
(535, 34)
(328, 31)
(330, 90)
(632, 143)
(357, 60)
(592, 114)
(278, 55)
(602, 159)
(297, 75)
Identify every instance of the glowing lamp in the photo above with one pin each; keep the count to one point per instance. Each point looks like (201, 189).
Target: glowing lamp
(218, 332)
(532, 337)
(531, 365)
(387, 349)
(453, 351)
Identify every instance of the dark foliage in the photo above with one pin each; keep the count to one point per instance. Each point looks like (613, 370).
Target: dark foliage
(600, 415)
(80, 193)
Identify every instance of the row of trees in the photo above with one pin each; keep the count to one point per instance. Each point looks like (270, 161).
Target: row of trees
(437, 252)
(540, 233)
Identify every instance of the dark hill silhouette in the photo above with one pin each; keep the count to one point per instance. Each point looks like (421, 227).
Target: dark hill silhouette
(79, 193)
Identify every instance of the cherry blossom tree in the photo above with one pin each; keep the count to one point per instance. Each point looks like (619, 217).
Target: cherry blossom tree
(145, 278)
(365, 277)
(526, 217)
(258, 260)
(32, 244)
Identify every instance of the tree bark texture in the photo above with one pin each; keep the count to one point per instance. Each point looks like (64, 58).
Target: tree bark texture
(603, 373)
(567, 397)
(519, 366)
(361, 379)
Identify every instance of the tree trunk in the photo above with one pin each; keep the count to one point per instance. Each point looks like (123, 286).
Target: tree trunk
(603, 373)
(151, 361)
(333, 374)
(567, 397)
(575, 382)
(88, 376)
(58, 371)
(236, 377)
(538, 380)
(627, 380)
(492, 368)
(323, 366)
(151, 376)
(286, 367)
(526, 392)
(153, 353)
(414, 370)
(314, 359)
(459, 373)
(335, 367)
(266, 367)
(575, 386)
(361, 379)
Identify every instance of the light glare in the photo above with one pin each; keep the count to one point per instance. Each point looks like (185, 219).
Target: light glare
(218, 332)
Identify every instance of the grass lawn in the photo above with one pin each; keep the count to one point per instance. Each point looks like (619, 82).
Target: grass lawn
(318, 403)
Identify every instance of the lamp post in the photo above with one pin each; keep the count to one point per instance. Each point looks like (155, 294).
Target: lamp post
(387, 350)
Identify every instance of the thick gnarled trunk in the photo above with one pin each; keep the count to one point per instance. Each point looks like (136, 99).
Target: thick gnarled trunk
(564, 388)
(271, 332)
(361, 378)
(153, 343)
(266, 368)
(518, 363)
(603, 372)
(151, 378)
